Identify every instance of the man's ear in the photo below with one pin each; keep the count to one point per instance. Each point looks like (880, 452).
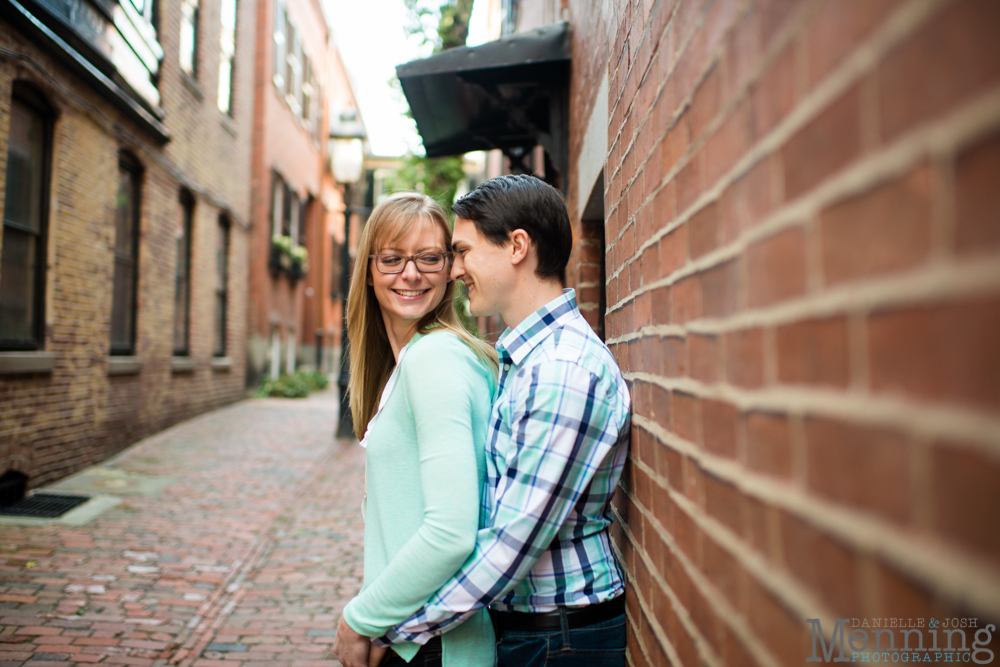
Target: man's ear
(520, 244)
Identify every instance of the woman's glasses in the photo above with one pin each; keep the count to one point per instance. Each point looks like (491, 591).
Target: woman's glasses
(426, 262)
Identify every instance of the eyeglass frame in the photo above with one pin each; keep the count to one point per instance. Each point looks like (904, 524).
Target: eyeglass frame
(410, 258)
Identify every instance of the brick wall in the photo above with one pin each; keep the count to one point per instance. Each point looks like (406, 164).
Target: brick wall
(802, 223)
(56, 423)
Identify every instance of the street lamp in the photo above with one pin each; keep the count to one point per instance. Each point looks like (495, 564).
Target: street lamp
(347, 158)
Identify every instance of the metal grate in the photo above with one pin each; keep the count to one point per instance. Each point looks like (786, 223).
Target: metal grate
(43, 506)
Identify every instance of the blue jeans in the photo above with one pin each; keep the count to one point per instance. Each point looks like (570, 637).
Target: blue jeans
(598, 645)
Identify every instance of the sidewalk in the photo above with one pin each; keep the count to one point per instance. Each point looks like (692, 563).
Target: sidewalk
(233, 539)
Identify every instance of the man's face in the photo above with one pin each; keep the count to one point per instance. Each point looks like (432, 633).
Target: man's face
(484, 267)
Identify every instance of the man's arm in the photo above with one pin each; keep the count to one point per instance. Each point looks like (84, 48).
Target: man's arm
(563, 424)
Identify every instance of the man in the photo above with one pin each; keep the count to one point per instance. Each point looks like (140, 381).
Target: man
(559, 433)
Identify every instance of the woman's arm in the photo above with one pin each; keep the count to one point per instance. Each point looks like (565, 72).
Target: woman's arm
(443, 382)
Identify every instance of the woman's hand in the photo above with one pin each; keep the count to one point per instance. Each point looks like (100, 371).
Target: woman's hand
(351, 648)
(377, 655)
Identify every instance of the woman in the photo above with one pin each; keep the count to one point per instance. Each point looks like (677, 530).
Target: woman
(421, 389)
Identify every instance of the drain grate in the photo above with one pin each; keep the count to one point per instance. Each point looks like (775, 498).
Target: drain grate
(43, 506)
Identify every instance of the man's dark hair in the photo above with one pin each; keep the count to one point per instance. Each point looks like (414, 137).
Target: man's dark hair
(518, 201)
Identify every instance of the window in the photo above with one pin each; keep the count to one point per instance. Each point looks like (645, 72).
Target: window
(148, 10)
(189, 37)
(227, 44)
(287, 211)
(293, 68)
(123, 297)
(279, 46)
(307, 88)
(182, 277)
(221, 285)
(22, 262)
(278, 206)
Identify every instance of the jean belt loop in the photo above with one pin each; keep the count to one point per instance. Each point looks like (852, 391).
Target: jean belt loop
(564, 626)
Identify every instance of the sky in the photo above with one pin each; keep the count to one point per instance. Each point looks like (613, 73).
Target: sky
(371, 36)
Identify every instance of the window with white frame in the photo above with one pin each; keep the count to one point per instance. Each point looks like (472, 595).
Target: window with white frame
(227, 56)
(189, 37)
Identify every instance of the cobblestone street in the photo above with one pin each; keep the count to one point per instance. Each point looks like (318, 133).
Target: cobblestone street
(232, 539)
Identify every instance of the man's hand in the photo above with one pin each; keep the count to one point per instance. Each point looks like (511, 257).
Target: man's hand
(377, 655)
(351, 648)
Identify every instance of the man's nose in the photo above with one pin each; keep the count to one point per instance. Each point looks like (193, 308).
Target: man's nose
(457, 268)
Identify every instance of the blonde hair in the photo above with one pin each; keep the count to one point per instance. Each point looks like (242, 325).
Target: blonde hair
(371, 355)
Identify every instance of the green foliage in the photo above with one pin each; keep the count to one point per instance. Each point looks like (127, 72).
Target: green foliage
(295, 385)
(453, 28)
(437, 178)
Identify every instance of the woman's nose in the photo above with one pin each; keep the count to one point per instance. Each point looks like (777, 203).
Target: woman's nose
(410, 271)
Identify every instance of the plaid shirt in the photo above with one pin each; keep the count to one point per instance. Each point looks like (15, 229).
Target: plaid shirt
(559, 434)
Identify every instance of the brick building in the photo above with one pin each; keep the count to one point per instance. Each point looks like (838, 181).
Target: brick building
(125, 141)
(300, 85)
(791, 208)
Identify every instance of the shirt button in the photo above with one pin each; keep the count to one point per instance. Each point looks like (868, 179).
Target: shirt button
(506, 367)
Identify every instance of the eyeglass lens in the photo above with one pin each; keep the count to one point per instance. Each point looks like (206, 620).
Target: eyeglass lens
(428, 262)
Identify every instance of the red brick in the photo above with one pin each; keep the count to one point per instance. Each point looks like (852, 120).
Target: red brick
(901, 597)
(675, 468)
(769, 444)
(660, 299)
(660, 405)
(885, 230)
(643, 306)
(780, 629)
(949, 59)
(706, 103)
(685, 300)
(838, 28)
(942, 352)
(673, 251)
(641, 401)
(774, 96)
(824, 146)
(652, 355)
(727, 145)
(703, 231)
(703, 354)
(689, 183)
(745, 357)
(686, 416)
(814, 352)
(977, 198)
(746, 202)
(675, 144)
(823, 564)
(723, 571)
(720, 421)
(651, 264)
(773, 16)
(861, 466)
(720, 289)
(742, 53)
(966, 495)
(675, 356)
(777, 268)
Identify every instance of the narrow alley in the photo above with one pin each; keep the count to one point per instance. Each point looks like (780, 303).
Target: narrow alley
(231, 539)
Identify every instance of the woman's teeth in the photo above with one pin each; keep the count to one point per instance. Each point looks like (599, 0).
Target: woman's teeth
(409, 292)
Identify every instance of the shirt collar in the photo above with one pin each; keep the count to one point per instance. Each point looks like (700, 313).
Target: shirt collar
(516, 343)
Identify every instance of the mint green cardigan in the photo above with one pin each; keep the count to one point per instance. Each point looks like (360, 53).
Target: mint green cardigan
(425, 471)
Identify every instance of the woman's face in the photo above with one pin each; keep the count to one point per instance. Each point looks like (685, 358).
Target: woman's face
(407, 296)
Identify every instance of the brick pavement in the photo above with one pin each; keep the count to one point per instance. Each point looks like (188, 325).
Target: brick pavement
(237, 541)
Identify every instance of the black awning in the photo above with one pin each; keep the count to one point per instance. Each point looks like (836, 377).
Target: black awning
(510, 94)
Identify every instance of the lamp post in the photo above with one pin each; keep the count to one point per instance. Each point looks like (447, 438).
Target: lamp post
(347, 155)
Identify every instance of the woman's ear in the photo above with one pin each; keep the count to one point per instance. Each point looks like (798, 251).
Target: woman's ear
(520, 244)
